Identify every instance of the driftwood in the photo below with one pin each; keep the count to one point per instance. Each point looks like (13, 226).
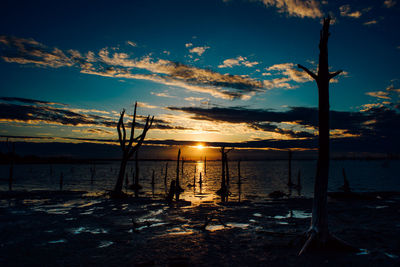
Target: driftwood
(318, 236)
(127, 147)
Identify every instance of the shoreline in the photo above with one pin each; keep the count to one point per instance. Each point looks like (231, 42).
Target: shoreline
(67, 228)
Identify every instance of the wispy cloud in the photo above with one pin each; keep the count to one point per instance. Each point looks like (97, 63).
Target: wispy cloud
(371, 22)
(37, 112)
(131, 43)
(389, 3)
(199, 50)
(345, 11)
(238, 61)
(379, 94)
(296, 8)
(120, 65)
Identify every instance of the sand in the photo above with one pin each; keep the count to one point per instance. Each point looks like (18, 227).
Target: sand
(43, 228)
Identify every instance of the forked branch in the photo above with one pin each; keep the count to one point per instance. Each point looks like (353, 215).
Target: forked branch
(309, 72)
(334, 74)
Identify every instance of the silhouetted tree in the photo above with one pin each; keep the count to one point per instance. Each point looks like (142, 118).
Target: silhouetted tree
(318, 234)
(129, 149)
(178, 188)
(224, 191)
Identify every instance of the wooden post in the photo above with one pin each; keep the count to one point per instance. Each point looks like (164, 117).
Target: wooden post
(61, 181)
(11, 151)
(227, 169)
(178, 188)
(194, 176)
(165, 177)
(239, 176)
(290, 169)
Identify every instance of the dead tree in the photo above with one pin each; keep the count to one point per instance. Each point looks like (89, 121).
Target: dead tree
(223, 191)
(318, 235)
(178, 188)
(128, 147)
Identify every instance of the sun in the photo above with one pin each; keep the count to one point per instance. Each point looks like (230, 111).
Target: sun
(199, 146)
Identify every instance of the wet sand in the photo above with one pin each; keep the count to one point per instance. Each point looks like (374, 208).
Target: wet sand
(44, 228)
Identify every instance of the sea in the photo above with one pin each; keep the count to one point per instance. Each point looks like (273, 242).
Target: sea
(257, 178)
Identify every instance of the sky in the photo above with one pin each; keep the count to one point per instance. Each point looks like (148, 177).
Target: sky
(221, 72)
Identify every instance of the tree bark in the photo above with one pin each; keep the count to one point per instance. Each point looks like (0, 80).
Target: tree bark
(318, 233)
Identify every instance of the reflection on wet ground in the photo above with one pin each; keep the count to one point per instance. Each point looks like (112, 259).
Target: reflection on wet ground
(81, 222)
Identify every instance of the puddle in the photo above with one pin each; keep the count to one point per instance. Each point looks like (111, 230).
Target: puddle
(104, 244)
(18, 212)
(363, 252)
(392, 256)
(377, 207)
(297, 214)
(57, 241)
(217, 227)
(91, 203)
(83, 229)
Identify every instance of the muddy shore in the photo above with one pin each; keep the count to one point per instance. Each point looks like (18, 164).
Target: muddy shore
(44, 228)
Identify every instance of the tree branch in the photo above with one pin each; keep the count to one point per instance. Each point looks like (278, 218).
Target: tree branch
(121, 122)
(331, 75)
(309, 72)
(133, 127)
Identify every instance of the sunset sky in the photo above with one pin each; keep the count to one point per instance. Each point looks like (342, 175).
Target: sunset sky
(209, 71)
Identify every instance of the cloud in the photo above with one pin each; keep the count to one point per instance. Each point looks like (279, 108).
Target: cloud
(146, 105)
(162, 94)
(37, 112)
(133, 44)
(194, 98)
(379, 94)
(290, 73)
(345, 11)
(29, 101)
(371, 22)
(296, 8)
(120, 65)
(389, 3)
(29, 51)
(377, 124)
(238, 61)
(199, 50)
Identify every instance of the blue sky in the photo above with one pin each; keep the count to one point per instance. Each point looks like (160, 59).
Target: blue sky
(194, 64)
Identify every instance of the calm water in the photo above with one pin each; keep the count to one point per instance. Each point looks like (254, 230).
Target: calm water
(259, 178)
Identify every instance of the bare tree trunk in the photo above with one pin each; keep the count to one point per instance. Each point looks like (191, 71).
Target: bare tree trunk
(121, 174)
(318, 234)
(178, 188)
(227, 170)
(127, 147)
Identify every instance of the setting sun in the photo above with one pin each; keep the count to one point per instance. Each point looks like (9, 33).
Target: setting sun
(199, 146)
